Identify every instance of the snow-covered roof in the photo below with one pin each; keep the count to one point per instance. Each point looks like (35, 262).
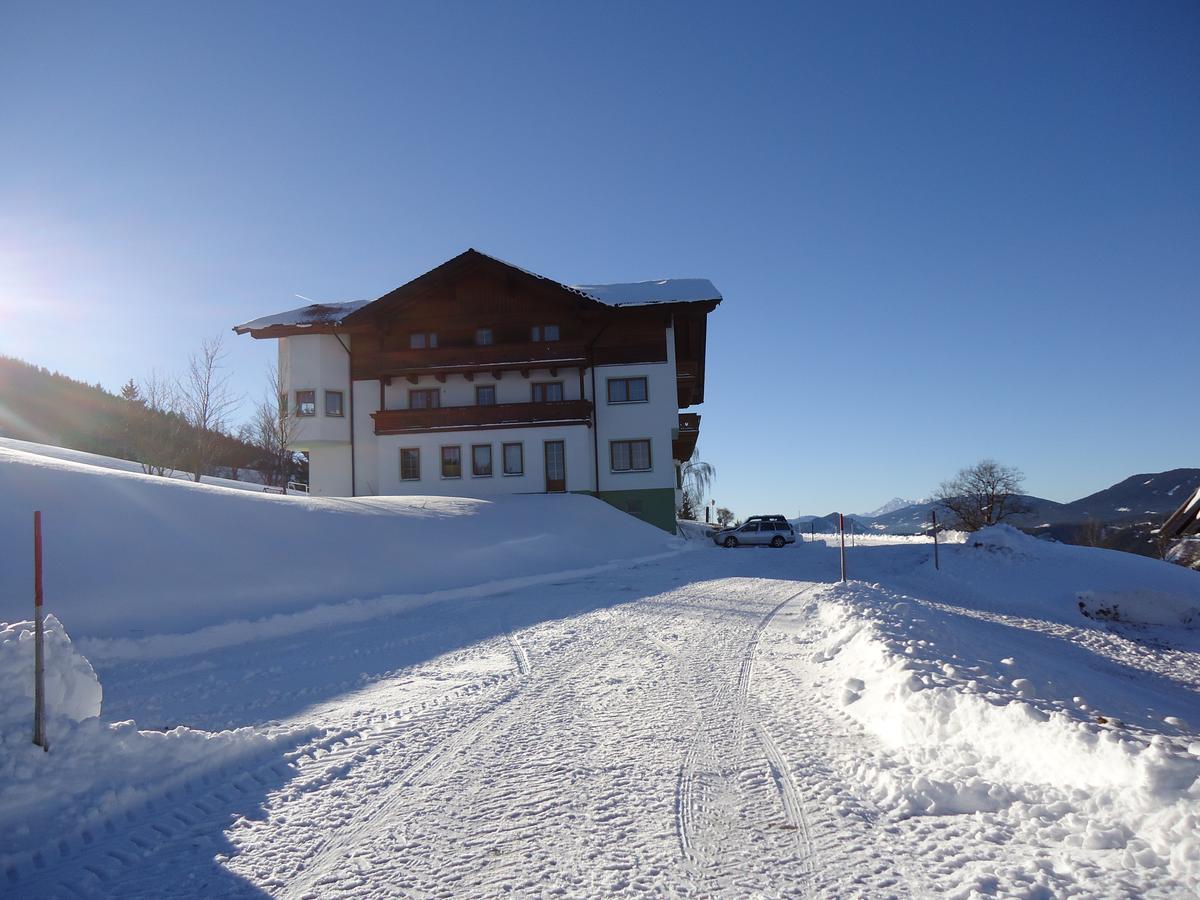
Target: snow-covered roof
(305, 316)
(664, 290)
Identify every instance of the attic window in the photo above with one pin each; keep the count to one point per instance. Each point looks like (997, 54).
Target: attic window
(420, 340)
(543, 333)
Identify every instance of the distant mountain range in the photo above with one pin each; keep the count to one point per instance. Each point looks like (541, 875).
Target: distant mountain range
(1122, 516)
(896, 503)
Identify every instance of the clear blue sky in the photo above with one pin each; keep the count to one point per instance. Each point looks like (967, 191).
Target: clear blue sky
(943, 231)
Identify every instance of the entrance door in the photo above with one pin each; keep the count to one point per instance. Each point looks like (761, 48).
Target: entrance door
(556, 467)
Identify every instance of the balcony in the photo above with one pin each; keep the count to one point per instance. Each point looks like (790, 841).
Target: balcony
(463, 360)
(478, 418)
(683, 443)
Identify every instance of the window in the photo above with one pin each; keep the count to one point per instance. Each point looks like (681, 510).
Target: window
(410, 464)
(333, 403)
(547, 391)
(514, 459)
(485, 395)
(452, 462)
(627, 390)
(306, 403)
(483, 337)
(419, 340)
(425, 398)
(481, 460)
(543, 333)
(629, 456)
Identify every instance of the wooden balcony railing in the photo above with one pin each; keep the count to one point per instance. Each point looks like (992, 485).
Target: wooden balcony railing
(472, 418)
(686, 435)
(448, 360)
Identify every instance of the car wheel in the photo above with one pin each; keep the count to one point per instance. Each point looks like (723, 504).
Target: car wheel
(777, 541)
(731, 542)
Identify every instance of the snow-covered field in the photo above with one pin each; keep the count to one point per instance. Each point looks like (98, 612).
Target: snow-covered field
(659, 718)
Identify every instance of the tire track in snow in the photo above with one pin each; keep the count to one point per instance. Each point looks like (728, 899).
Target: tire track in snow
(709, 780)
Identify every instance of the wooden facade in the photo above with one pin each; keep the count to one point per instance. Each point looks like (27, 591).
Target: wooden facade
(474, 292)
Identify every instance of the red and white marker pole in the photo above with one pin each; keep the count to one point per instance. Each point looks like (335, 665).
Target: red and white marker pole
(842, 535)
(39, 653)
(936, 563)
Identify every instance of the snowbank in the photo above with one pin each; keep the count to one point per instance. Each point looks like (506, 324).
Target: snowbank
(994, 697)
(121, 465)
(129, 555)
(97, 770)
(72, 689)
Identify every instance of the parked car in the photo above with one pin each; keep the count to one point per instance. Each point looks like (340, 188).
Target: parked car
(769, 531)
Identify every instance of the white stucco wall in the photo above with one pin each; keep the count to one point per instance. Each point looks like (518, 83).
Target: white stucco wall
(329, 470)
(366, 450)
(316, 362)
(653, 419)
(577, 440)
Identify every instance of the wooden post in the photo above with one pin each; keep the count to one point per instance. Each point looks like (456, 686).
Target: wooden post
(936, 564)
(842, 535)
(812, 529)
(39, 659)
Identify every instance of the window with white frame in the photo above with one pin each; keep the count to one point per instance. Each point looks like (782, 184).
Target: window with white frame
(514, 459)
(481, 460)
(410, 463)
(485, 395)
(627, 390)
(483, 337)
(629, 456)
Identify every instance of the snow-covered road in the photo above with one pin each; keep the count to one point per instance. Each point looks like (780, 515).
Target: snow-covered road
(623, 734)
(671, 728)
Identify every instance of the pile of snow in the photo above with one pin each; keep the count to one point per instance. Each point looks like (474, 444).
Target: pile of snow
(97, 770)
(72, 689)
(1140, 607)
(993, 696)
(129, 556)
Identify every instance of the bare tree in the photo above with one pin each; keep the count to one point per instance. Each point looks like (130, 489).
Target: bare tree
(697, 478)
(724, 516)
(273, 428)
(156, 429)
(983, 494)
(205, 402)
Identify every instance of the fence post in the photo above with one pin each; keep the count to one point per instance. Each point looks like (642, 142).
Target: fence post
(39, 658)
(936, 564)
(842, 535)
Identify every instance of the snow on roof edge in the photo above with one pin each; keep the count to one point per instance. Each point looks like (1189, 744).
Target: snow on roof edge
(305, 316)
(643, 293)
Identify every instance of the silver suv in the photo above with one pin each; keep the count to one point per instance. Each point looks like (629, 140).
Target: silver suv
(770, 531)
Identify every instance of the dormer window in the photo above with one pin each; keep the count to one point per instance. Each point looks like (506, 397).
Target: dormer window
(543, 333)
(420, 340)
(483, 337)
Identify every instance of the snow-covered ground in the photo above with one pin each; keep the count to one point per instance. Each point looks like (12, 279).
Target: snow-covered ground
(702, 723)
(121, 465)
